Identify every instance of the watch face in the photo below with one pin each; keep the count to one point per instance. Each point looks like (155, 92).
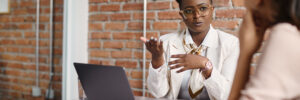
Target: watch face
(208, 65)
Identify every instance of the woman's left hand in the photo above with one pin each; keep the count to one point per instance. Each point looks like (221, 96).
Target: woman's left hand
(188, 61)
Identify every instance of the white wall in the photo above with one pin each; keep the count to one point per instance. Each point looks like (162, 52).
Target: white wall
(75, 44)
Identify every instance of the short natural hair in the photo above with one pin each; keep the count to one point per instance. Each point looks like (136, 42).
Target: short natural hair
(180, 2)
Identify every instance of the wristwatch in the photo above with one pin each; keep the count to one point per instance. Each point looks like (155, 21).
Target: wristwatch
(208, 66)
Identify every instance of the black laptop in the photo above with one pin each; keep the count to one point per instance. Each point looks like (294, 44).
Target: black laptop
(102, 82)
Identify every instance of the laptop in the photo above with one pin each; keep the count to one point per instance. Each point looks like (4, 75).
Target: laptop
(101, 82)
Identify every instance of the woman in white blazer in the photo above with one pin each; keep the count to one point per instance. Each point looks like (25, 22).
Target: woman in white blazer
(198, 63)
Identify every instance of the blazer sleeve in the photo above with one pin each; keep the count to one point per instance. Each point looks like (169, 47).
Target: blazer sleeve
(157, 81)
(218, 85)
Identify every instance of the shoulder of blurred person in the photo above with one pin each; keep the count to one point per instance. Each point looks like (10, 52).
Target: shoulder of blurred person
(280, 59)
(277, 70)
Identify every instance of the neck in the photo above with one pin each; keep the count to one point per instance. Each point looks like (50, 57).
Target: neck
(198, 37)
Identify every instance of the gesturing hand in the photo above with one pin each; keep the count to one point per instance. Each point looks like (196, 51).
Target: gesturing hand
(154, 46)
(188, 61)
(156, 49)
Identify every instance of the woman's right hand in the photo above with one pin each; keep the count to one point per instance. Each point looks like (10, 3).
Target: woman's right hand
(155, 47)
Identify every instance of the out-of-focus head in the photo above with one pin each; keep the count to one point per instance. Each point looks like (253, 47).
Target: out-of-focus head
(270, 12)
(180, 2)
(196, 14)
(295, 12)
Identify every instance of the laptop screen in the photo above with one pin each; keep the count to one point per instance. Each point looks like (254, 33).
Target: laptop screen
(102, 82)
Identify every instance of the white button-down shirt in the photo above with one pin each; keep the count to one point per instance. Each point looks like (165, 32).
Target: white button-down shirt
(222, 51)
(184, 88)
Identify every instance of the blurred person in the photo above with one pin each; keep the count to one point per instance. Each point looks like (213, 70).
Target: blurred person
(202, 59)
(277, 76)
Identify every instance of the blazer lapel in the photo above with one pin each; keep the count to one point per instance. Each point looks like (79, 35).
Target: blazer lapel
(213, 54)
(176, 47)
(212, 41)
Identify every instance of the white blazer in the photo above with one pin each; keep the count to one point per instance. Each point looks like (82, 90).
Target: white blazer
(222, 51)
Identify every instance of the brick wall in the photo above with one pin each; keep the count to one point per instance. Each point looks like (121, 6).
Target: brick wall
(114, 30)
(116, 25)
(17, 49)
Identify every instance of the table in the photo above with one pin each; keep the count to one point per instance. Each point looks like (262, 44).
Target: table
(147, 98)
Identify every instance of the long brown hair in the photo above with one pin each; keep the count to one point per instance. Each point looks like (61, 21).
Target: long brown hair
(295, 12)
(280, 11)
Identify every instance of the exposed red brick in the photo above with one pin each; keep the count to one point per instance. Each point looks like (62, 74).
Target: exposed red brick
(136, 83)
(136, 74)
(230, 13)
(221, 3)
(127, 64)
(58, 18)
(140, 16)
(167, 15)
(133, 6)
(124, 35)
(110, 7)
(165, 25)
(238, 3)
(97, 1)
(100, 35)
(119, 0)
(148, 35)
(15, 65)
(58, 2)
(25, 26)
(137, 25)
(44, 18)
(225, 24)
(93, 8)
(121, 54)
(11, 34)
(113, 44)
(4, 19)
(139, 55)
(13, 72)
(94, 44)
(120, 16)
(58, 26)
(114, 26)
(98, 17)
(17, 19)
(99, 53)
(158, 5)
(12, 49)
(18, 49)
(20, 11)
(137, 93)
(95, 26)
(134, 44)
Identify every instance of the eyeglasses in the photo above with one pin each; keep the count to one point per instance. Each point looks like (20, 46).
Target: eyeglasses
(203, 10)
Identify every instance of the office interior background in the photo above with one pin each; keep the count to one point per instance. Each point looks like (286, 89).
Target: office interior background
(113, 28)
